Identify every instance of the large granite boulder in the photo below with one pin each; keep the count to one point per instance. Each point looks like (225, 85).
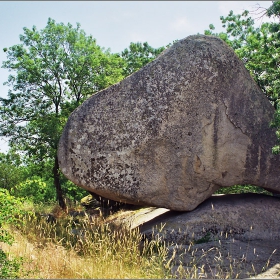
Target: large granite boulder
(171, 134)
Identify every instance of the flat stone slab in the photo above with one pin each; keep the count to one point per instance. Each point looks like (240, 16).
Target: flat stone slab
(133, 219)
(226, 260)
(242, 216)
(245, 217)
(227, 236)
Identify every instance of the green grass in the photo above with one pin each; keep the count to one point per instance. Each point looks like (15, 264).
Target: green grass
(242, 189)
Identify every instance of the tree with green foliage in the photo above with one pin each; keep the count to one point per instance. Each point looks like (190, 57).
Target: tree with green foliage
(274, 11)
(138, 55)
(54, 70)
(34, 189)
(41, 173)
(259, 49)
(11, 173)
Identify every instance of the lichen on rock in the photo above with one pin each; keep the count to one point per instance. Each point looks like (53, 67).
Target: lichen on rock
(171, 134)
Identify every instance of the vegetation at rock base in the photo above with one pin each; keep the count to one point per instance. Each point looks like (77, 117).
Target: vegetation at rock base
(53, 71)
(242, 189)
(87, 246)
(82, 247)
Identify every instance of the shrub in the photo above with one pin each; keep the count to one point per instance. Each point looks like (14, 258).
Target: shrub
(9, 269)
(72, 191)
(10, 209)
(35, 189)
(242, 189)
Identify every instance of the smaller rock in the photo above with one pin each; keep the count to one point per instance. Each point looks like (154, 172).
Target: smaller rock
(227, 236)
(79, 233)
(273, 272)
(244, 217)
(89, 202)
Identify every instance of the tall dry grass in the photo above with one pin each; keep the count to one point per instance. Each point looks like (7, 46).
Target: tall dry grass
(84, 248)
(90, 247)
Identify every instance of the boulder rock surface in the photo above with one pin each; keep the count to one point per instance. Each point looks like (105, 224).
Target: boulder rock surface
(171, 134)
(245, 217)
(230, 236)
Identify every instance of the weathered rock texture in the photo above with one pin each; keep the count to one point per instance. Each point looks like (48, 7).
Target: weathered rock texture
(226, 236)
(244, 217)
(171, 134)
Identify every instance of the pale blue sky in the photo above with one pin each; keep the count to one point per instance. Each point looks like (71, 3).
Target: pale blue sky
(115, 24)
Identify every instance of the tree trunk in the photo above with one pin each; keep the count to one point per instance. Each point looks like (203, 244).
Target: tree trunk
(59, 194)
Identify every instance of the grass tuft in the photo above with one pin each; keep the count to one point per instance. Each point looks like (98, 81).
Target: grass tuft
(84, 247)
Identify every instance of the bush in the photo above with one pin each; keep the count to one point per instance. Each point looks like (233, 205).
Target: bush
(35, 189)
(276, 123)
(242, 189)
(10, 208)
(11, 173)
(72, 191)
(9, 269)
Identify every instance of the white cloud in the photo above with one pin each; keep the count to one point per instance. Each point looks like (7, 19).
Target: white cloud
(225, 7)
(137, 37)
(181, 25)
(239, 6)
(256, 9)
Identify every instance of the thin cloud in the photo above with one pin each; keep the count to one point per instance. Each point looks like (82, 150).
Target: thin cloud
(226, 6)
(181, 25)
(137, 37)
(256, 10)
